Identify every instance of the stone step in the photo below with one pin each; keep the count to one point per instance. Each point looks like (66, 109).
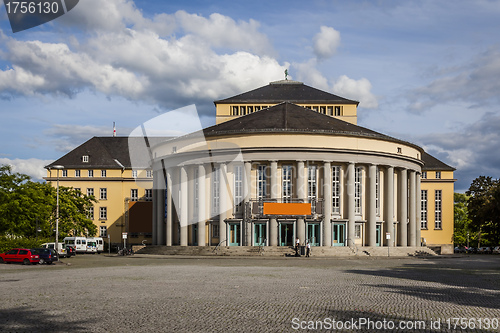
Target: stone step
(282, 251)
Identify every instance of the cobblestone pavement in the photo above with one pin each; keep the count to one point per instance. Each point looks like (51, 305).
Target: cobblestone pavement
(179, 294)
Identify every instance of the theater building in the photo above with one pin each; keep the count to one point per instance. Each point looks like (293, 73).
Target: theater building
(289, 161)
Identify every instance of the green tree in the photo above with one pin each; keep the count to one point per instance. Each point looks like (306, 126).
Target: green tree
(484, 209)
(462, 234)
(26, 205)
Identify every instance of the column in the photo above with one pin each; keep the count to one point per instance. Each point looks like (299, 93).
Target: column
(273, 224)
(247, 192)
(155, 209)
(301, 194)
(168, 228)
(403, 208)
(160, 208)
(419, 211)
(412, 237)
(389, 205)
(372, 209)
(202, 199)
(350, 204)
(184, 206)
(223, 206)
(327, 204)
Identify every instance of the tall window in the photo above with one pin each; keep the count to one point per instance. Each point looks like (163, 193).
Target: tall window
(336, 189)
(149, 173)
(438, 174)
(103, 231)
(215, 191)
(65, 173)
(149, 194)
(103, 194)
(357, 190)
(90, 213)
(77, 173)
(287, 183)
(424, 174)
(377, 191)
(134, 173)
(103, 213)
(91, 173)
(261, 181)
(423, 210)
(103, 173)
(337, 111)
(90, 192)
(196, 190)
(134, 194)
(312, 181)
(238, 188)
(438, 212)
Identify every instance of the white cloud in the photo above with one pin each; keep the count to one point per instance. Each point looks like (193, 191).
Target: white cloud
(124, 54)
(359, 90)
(32, 167)
(326, 42)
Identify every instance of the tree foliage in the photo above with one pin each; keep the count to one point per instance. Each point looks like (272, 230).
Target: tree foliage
(484, 209)
(462, 234)
(27, 206)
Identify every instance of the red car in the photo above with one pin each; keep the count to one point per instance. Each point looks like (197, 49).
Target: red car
(26, 256)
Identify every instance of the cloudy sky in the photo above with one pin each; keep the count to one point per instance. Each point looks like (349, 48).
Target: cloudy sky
(423, 71)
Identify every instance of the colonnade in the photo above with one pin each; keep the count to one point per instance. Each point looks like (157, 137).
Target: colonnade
(189, 197)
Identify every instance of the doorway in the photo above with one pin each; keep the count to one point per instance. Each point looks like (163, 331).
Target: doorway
(234, 234)
(259, 234)
(286, 233)
(339, 234)
(313, 233)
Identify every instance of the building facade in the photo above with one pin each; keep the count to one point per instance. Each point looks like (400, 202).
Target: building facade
(288, 161)
(101, 168)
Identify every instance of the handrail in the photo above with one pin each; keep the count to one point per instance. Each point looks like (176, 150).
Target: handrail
(218, 246)
(261, 246)
(353, 248)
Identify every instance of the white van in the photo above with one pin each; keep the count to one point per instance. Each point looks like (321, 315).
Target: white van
(96, 242)
(78, 243)
(61, 251)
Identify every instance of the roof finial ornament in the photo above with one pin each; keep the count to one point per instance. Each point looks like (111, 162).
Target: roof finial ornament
(286, 74)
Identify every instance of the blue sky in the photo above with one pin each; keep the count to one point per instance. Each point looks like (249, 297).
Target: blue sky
(423, 71)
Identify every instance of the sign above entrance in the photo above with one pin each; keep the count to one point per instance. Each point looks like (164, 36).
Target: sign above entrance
(289, 209)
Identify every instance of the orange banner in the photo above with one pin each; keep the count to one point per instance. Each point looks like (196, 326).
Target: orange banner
(275, 208)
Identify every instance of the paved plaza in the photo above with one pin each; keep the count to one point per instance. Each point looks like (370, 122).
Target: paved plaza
(99, 293)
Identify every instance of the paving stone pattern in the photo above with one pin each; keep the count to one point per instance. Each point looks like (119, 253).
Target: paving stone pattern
(161, 294)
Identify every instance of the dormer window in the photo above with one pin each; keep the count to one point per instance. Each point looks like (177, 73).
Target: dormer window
(85, 158)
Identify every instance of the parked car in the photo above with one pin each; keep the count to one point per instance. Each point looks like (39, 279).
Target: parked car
(46, 255)
(25, 256)
(496, 250)
(460, 249)
(471, 250)
(61, 251)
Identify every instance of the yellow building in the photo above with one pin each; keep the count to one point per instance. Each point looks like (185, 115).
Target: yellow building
(437, 214)
(288, 161)
(283, 161)
(101, 167)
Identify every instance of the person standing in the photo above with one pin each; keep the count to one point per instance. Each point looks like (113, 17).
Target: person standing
(308, 249)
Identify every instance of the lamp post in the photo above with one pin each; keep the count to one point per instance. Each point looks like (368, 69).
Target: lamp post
(56, 246)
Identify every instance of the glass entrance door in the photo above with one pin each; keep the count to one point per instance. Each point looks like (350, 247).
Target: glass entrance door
(378, 234)
(194, 229)
(339, 234)
(286, 234)
(234, 234)
(259, 234)
(313, 233)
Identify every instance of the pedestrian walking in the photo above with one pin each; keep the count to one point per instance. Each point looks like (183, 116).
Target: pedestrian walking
(308, 249)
